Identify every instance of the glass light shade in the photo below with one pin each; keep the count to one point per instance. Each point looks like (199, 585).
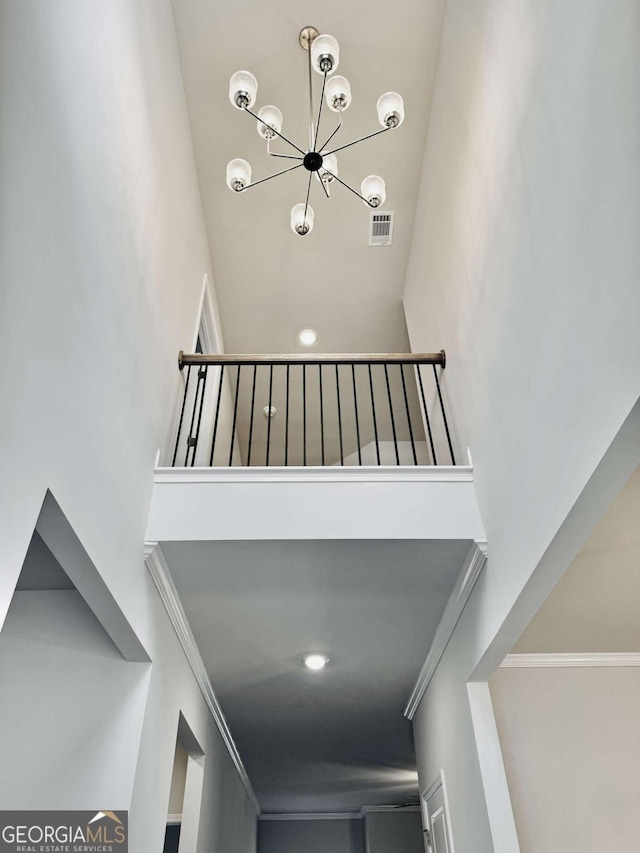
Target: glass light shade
(299, 224)
(273, 118)
(373, 189)
(325, 54)
(238, 174)
(390, 109)
(338, 93)
(330, 162)
(243, 89)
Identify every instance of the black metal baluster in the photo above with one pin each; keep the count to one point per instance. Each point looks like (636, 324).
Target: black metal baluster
(215, 425)
(393, 423)
(406, 403)
(184, 401)
(321, 412)
(339, 416)
(444, 417)
(355, 407)
(195, 442)
(269, 414)
(235, 416)
(304, 414)
(426, 415)
(373, 410)
(286, 424)
(190, 437)
(253, 402)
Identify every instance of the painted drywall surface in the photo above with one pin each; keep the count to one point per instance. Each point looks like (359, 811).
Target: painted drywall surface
(258, 507)
(524, 267)
(397, 831)
(312, 836)
(178, 779)
(575, 783)
(71, 708)
(102, 261)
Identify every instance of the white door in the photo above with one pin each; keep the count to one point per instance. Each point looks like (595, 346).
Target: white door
(436, 820)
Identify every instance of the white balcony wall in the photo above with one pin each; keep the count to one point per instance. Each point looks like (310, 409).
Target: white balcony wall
(102, 259)
(525, 267)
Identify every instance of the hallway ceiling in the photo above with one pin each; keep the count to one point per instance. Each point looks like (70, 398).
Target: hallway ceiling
(270, 282)
(334, 740)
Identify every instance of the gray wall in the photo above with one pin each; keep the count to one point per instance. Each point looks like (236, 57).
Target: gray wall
(310, 836)
(524, 266)
(103, 254)
(394, 832)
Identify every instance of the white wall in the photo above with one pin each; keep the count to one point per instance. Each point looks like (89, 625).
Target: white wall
(71, 708)
(102, 257)
(524, 267)
(312, 836)
(571, 748)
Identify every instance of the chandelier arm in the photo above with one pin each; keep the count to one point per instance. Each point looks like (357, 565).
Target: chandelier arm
(315, 136)
(311, 130)
(351, 189)
(275, 154)
(293, 145)
(306, 203)
(268, 178)
(355, 141)
(324, 187)
(333, 134)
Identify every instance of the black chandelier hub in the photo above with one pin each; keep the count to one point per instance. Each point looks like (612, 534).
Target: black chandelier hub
(312, 161)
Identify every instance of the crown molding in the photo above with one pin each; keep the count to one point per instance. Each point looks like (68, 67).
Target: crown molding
(312, 816)
(473, 565)
(309, 474)
(159, 571)
(374, 809)
(365, 810)
(572, 659)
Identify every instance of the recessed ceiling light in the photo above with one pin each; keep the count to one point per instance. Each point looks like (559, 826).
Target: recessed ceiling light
(315, 662)
(308, 337)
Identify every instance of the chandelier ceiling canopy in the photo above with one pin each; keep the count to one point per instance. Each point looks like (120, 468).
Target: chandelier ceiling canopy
(323, 58)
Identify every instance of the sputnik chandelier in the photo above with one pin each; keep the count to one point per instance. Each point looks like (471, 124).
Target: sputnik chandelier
(324, 56)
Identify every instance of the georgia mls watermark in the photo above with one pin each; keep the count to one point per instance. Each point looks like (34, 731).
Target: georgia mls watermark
(63, 832)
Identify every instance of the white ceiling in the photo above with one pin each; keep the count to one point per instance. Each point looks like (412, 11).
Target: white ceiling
(270, 282)
(595, 605)
(334, 740)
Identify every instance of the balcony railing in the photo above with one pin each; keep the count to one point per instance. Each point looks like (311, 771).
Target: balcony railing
(346, 409)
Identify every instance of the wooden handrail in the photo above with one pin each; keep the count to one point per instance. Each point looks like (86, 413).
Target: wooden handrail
(437, 358)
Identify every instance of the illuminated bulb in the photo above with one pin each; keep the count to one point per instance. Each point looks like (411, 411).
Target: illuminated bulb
(338, 93)
(308, 337)
(272, 118)
(390, 109)
(330, 163)
(325, 54)
(315, 662)
(238, 175)
(373, 190)
(243, 88)
(299, 223)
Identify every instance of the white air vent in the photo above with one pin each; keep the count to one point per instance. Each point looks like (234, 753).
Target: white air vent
(381, 229)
